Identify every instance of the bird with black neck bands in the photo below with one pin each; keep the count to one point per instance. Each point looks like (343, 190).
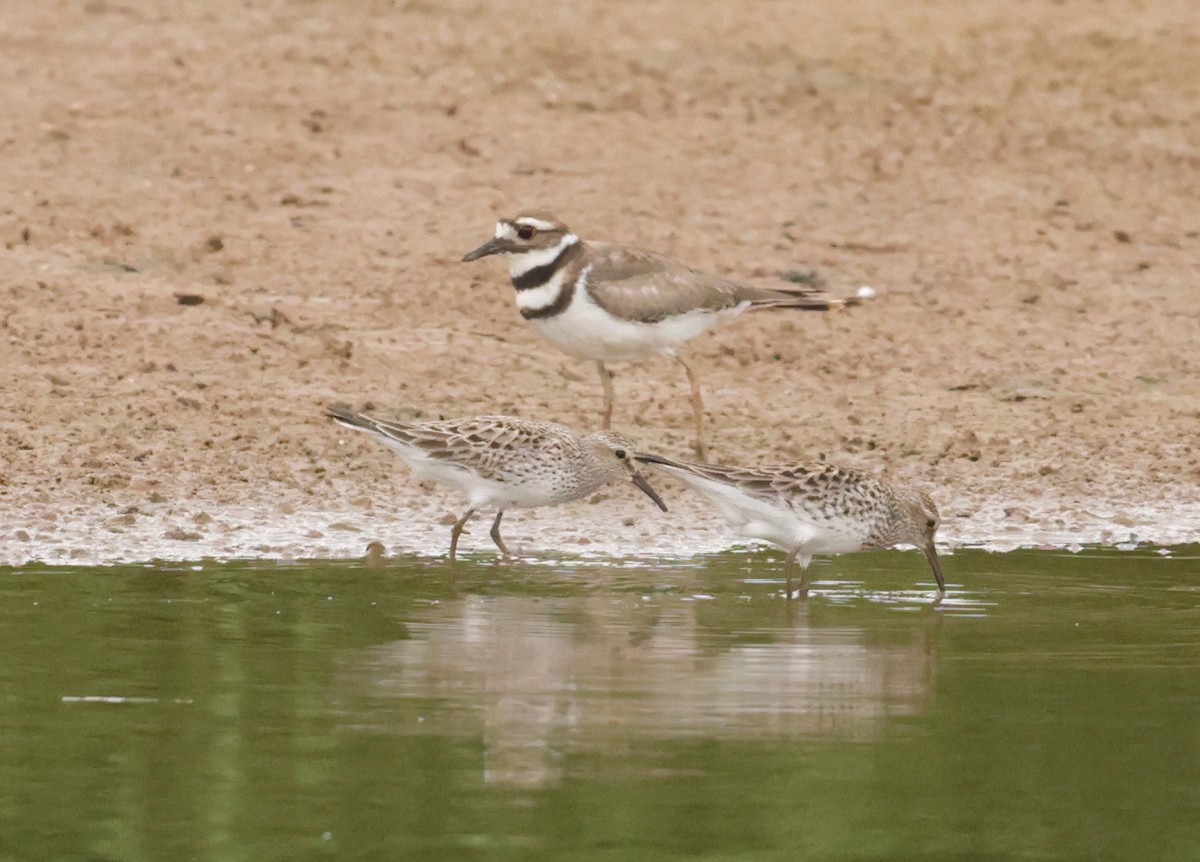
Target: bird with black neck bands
(619, 303)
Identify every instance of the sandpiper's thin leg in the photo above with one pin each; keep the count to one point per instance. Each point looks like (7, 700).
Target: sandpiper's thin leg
(496, 535)
(791, 563)
(456, 531)
(606, 382)
(697, 409)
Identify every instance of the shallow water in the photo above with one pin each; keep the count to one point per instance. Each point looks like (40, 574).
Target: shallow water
(1049, 709)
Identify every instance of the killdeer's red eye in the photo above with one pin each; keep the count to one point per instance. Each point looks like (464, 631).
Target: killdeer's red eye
(525, 232)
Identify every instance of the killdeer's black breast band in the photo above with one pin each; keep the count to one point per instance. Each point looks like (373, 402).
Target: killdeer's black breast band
(537, 276)
(557, 307)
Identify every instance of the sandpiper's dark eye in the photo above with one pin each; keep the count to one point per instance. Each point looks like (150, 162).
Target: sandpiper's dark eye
(525, 232)
(620, 453)
(930, 524)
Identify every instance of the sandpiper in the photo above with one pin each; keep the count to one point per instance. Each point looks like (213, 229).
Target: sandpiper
(616, 303)
(504, 461)
(816, 508)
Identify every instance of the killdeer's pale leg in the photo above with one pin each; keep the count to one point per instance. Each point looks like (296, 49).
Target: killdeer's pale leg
(814, 508)
(606, 382)
(618, 303)
(697, 408)
(495, 534)
(503, 461)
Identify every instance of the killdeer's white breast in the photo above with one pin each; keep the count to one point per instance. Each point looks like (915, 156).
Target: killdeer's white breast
(563, 310)
(617, 303)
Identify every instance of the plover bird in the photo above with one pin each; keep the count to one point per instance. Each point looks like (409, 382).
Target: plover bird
(505, 462)
(809, 509)
(616, 303)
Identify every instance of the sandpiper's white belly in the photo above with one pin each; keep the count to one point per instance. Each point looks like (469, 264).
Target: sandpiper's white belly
(537, 489)
(587, 331)
(775, 522)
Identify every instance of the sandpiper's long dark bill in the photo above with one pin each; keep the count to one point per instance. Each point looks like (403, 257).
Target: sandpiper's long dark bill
(619, 303)
(505, 462)
(814, 508)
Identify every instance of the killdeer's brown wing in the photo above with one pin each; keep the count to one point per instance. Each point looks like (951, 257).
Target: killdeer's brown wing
(641, 285)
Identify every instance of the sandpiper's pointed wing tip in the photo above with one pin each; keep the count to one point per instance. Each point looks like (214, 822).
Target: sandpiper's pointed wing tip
(340, 410)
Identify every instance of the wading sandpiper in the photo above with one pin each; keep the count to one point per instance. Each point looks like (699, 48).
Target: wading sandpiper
(815, 508)
(505, 462)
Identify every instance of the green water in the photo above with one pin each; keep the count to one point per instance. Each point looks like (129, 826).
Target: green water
(1050, 709)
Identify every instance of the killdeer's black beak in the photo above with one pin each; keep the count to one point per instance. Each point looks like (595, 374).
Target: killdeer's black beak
(495, 245)
(935, 564)
(640, 481)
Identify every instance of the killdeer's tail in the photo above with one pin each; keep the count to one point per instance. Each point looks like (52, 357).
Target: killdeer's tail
(814, 300)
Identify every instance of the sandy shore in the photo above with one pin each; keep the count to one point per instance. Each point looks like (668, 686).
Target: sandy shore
(221, 217)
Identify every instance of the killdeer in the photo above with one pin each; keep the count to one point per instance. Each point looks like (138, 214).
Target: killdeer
(809, 509)
(617, 303)
(505, 462)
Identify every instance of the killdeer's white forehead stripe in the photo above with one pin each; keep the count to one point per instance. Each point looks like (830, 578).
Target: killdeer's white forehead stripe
(504, 230)
(537, 223)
